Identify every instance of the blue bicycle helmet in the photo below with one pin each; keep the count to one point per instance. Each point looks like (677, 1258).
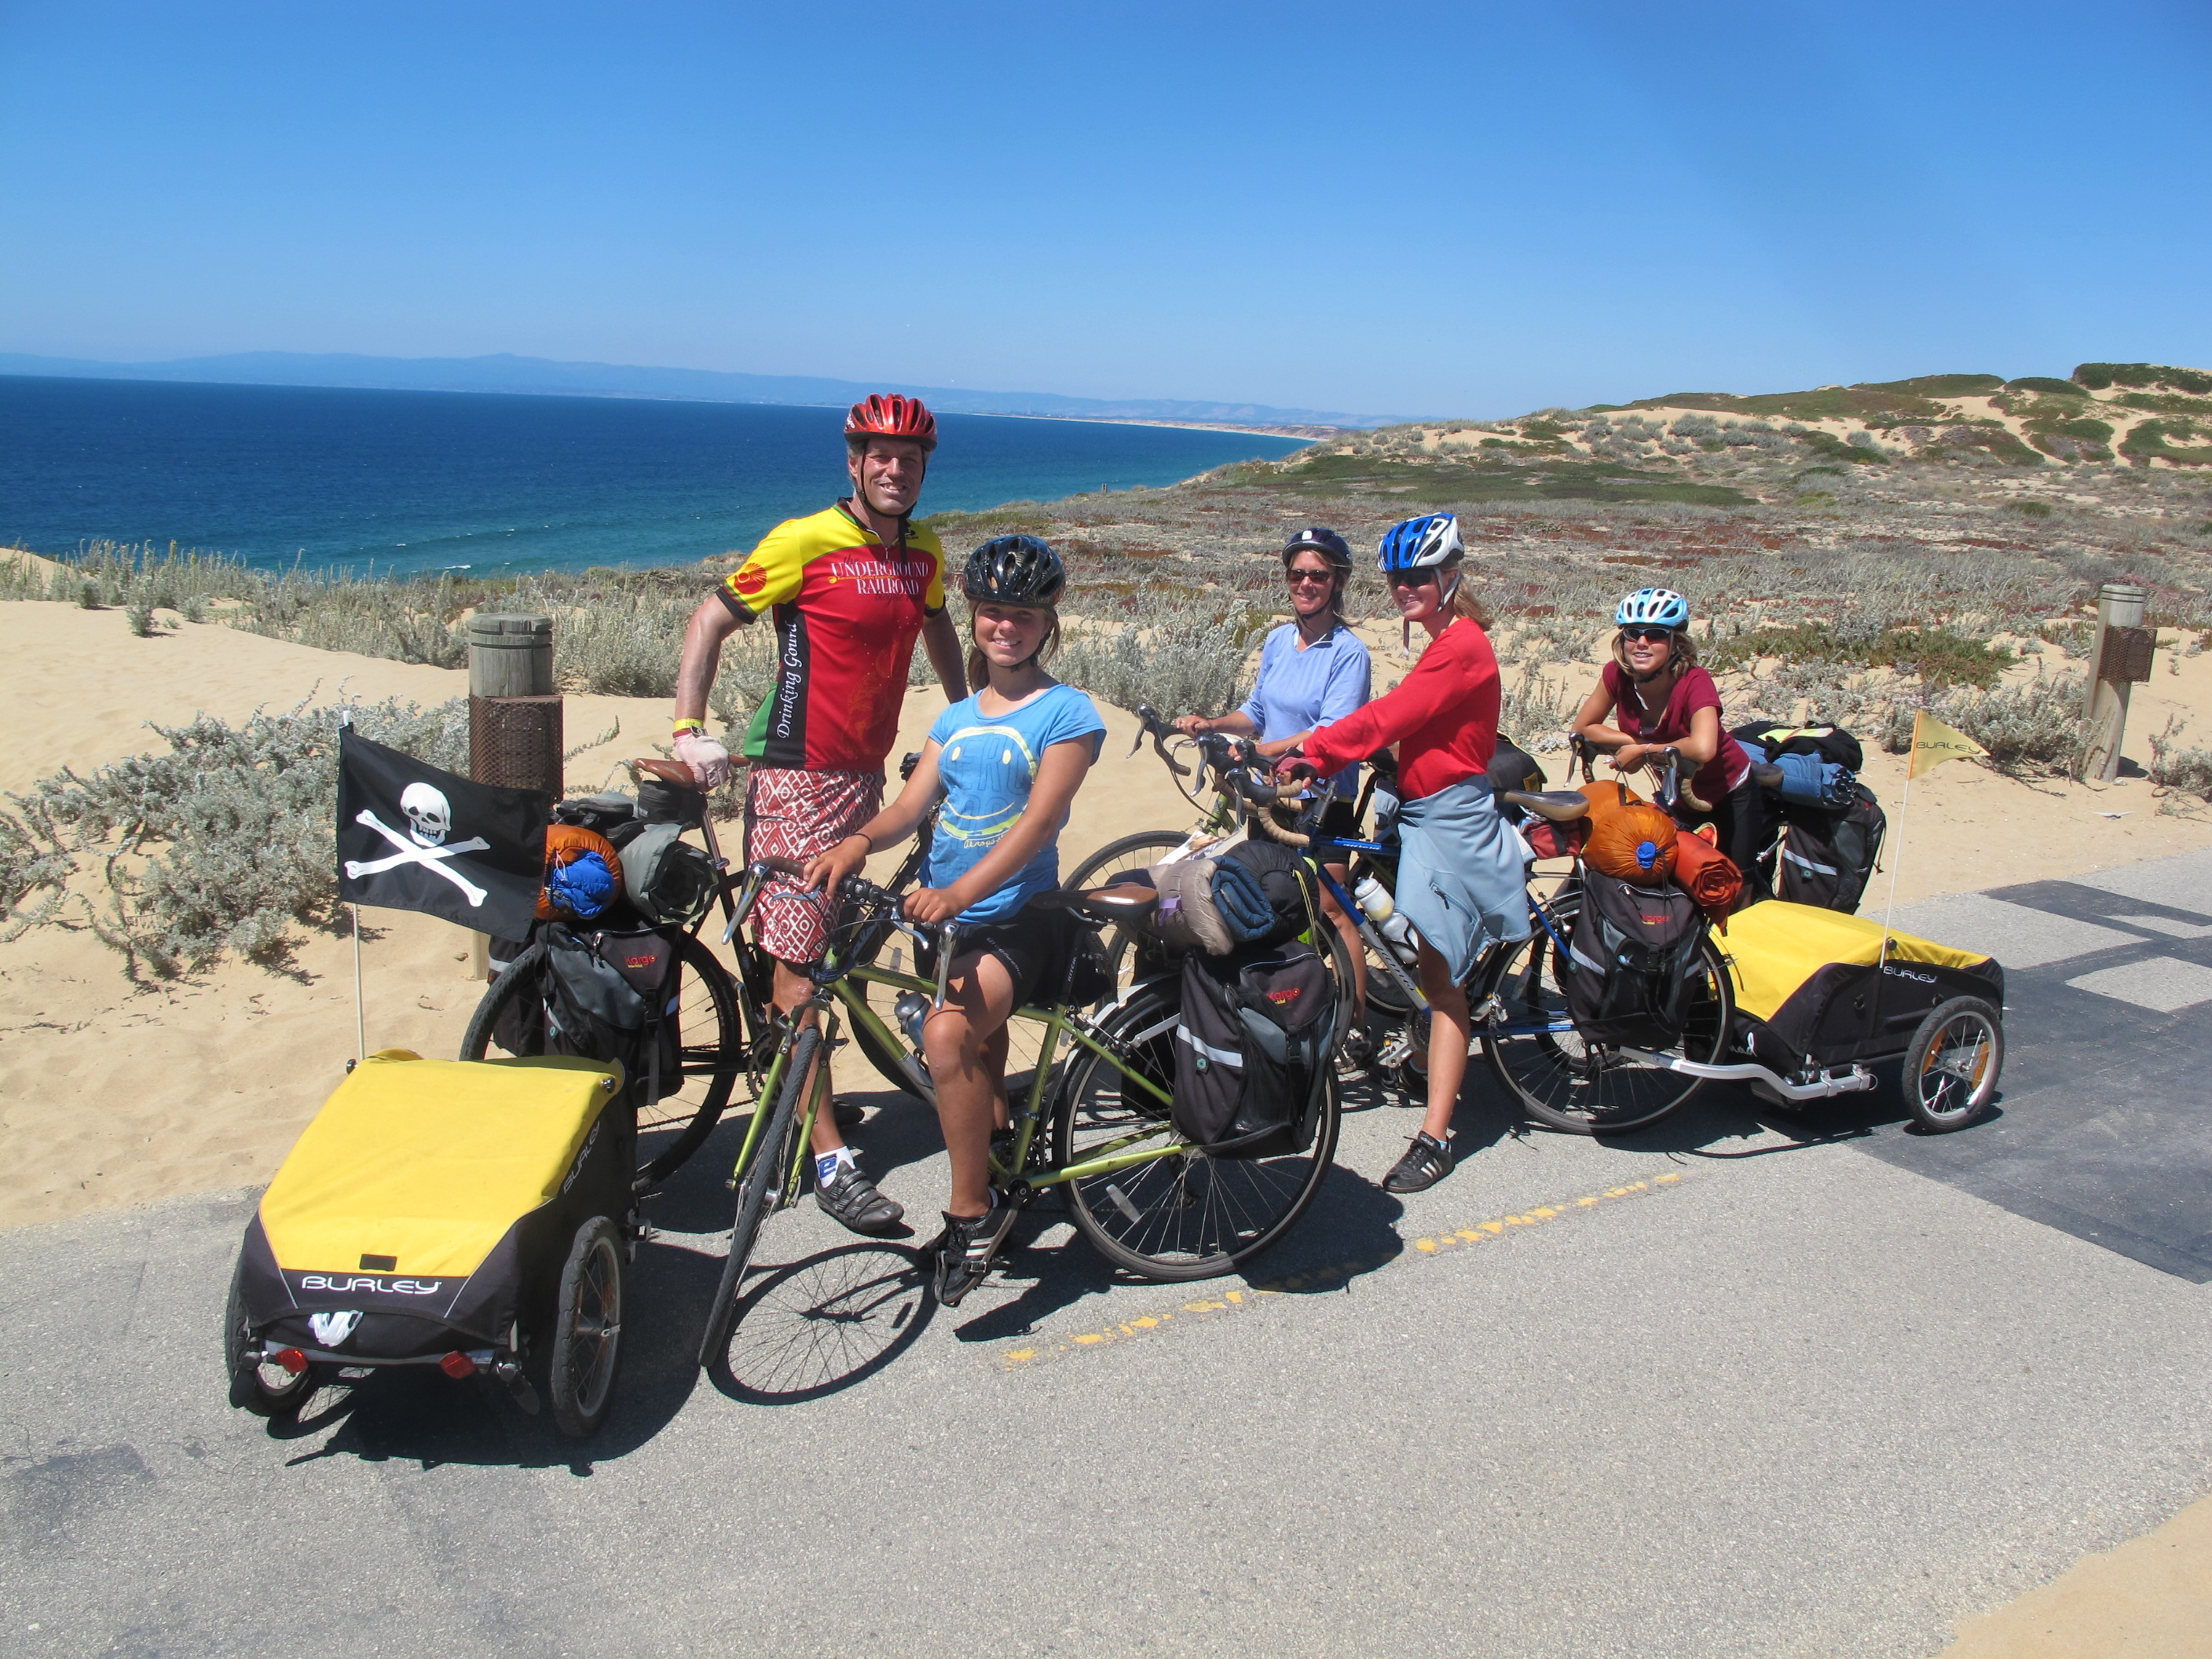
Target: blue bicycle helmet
(1421, 544)
(1653, 607)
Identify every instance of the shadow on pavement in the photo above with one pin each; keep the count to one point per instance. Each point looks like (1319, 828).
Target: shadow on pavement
(816, 1326)
(415, 1414)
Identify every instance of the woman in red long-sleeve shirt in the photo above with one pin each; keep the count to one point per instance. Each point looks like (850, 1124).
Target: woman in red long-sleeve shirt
(1460, 872)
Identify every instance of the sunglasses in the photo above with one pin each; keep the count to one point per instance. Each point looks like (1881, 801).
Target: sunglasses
(1410, 578)
(1650, 636)
(1309, 576)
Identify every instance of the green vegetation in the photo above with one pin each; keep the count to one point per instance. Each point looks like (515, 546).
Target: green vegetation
(1938, 386)
(1453, 483)
(2030, 509)
(2179, 767)
(2046, 385)
(1968, 438)
(2032, 729)
(1836, 449)
(2146, 377)
(223, 843)
(2165, 403)
(2152, 441)
(1938, 656)
(1827, 404)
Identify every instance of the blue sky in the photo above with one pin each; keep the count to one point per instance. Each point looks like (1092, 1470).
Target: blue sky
(1456, 210)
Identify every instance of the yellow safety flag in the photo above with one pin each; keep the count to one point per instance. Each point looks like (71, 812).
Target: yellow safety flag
(1933, 743)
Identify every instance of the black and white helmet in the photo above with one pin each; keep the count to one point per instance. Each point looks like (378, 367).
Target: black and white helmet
(1015, 570)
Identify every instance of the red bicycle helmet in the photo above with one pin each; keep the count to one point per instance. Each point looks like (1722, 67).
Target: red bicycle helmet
(891, 415)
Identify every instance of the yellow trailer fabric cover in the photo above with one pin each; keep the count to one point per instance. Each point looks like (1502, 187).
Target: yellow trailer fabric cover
(430, 1162)
(1775, 947)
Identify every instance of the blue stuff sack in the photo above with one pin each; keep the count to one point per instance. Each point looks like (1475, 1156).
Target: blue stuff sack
(583, 887)
(1242, 902)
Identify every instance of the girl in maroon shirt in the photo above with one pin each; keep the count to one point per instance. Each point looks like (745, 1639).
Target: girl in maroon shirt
(1659, 698)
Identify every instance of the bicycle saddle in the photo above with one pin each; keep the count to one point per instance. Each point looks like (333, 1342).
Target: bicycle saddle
(1101, 904)
(1560, 805)
(667, 771)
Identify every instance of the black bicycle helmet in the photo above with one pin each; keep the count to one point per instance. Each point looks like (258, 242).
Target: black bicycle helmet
(1327, 543)
(1015, 570)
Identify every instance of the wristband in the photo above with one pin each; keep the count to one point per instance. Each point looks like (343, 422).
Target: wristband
(682, 726)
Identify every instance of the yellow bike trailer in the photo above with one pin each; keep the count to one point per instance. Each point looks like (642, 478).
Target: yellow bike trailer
(472, 1215)
(1818, 999)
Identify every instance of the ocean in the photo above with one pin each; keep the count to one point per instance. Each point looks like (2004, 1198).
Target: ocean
(416, 482)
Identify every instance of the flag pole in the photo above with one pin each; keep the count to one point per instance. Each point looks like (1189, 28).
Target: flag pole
(360, 1010)
(360, 1017)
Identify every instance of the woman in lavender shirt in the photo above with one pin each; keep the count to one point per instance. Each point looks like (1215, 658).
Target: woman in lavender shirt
(1314, 671)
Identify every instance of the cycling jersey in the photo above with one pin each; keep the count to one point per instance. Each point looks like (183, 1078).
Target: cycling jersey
(846, 610)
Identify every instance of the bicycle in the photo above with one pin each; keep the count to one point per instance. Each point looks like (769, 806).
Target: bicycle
(1149, 1201)
(726, 1024)
(1517, 993)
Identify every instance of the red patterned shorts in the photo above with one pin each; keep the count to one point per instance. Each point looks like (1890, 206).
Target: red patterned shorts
(793, 814)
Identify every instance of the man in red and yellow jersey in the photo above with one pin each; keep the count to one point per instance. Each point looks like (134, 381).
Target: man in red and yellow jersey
(848, 590)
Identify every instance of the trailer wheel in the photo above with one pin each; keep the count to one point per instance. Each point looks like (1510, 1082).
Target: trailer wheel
(250, 1388)
(586, 1346)
(1950, 1070)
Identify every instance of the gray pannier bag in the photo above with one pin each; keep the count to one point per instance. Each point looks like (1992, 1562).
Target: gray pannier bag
(669, 882)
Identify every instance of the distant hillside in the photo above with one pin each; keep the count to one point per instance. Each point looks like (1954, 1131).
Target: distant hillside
(2143, 414)
(542, 376)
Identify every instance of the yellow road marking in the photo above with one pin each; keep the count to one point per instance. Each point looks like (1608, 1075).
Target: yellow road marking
(1481, 1232)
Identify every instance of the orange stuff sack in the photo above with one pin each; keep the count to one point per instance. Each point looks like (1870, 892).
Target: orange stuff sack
(1635, 843)
(565, 843)
(1707, 874)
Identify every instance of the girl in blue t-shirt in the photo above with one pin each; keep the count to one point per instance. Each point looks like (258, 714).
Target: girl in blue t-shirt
(1008, 762)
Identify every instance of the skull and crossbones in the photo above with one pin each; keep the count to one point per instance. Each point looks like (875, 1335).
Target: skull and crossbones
(429, 821)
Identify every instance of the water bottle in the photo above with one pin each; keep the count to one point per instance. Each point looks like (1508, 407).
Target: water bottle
(910, 1010)
(1375, 899)
(1400, 934)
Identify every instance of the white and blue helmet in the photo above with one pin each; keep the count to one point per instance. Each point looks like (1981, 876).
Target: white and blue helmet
(1653, 607)
(1420, 544)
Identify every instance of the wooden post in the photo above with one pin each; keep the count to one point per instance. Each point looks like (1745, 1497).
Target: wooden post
(2119, 655)
(514, 716)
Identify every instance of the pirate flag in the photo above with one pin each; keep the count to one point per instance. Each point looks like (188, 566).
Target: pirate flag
(411, 837)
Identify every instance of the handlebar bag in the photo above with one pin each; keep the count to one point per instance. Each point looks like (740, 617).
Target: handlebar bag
(1632, 953)
(1252, 1049)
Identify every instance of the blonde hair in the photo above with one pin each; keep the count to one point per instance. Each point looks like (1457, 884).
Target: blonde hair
(1681, 651)
(1464, 602)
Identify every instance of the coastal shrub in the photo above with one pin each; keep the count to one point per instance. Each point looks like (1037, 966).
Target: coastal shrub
(2035, 728)
(2046, 385)
(1536, 710)
(1182, 653)
(1937, 656)
(225, 842)
(2155, 441)
(2177, 766)
(2146, 376)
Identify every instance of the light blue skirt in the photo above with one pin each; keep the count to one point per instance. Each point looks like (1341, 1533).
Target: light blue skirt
(1460, 880)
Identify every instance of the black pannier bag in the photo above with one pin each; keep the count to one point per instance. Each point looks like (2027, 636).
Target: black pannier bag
(659, 801)
(1827, 859)
(1631, 963)
(604, 995)
(1252, 1050)
(611, 815)
(1512, 767)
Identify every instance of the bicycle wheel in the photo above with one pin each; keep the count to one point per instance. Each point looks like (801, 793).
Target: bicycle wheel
(1183, 1215)
(1130, 853)
(711, 1047)
(1584, 1088)
(771, 1158)
(1950, 1070)
(586, 1353)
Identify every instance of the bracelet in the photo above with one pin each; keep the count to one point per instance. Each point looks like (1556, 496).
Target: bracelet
(862, 835)
(682, 726)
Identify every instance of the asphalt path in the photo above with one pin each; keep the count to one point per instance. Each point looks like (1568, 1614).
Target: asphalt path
(1745, 1384)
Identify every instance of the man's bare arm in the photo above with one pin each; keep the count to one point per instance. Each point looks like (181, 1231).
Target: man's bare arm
(711, 623)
